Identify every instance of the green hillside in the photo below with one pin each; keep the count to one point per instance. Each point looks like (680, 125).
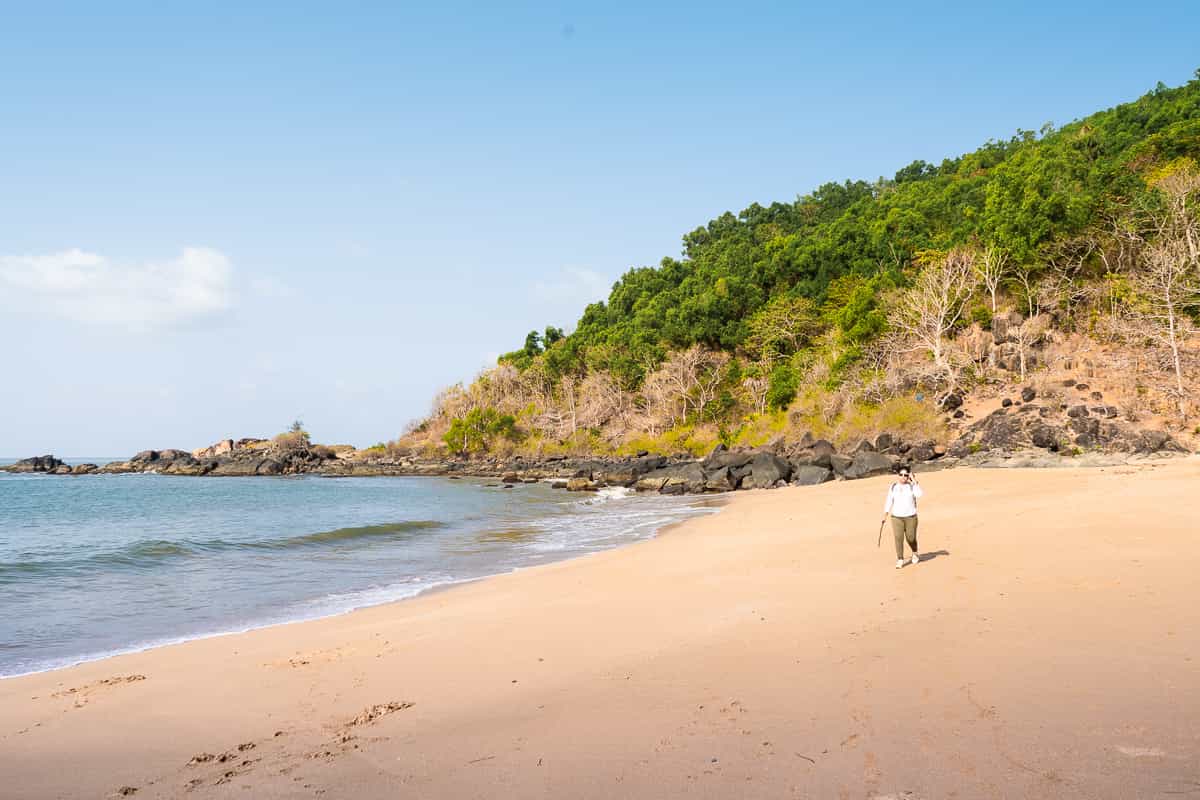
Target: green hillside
(774, 289)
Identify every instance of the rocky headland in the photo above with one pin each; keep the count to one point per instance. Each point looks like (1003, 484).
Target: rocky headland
(1072, 429)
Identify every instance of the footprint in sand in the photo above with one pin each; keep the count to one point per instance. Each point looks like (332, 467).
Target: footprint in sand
(1140, 752)
(82, 694)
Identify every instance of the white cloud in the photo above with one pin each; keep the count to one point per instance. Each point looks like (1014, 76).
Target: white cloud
(90, 288)
(574, 287)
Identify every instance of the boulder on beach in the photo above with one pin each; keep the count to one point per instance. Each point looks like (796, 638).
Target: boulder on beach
(721, 480)
(810, 475)
(867, 463)
(767, 469)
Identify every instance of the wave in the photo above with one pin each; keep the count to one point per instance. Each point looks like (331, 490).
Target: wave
(362, 532)
(151, 552)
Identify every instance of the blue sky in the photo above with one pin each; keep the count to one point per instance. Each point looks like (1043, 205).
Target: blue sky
(214, 220)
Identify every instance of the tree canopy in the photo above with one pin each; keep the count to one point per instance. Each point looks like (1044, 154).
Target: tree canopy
(743, 276)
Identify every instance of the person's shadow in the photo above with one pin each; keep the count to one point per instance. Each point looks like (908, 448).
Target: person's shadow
(932, 554)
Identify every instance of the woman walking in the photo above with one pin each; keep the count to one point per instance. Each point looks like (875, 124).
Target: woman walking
(902, 505)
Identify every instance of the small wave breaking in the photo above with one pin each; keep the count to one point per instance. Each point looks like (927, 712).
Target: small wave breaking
(152, 552)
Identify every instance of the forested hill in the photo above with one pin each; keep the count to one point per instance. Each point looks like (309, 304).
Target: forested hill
(815, 314)
(1020, 194)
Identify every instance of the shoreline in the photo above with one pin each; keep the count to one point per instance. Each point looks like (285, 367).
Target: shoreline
(443, 586)
(769, 650)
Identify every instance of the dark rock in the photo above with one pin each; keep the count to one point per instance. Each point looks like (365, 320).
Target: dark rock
(959, 414)
(1069, 382)
(822, 446)
(512, 477)
(1097, 396)
(738, 474)
(1005, 403)
(840, 463)
(721, 481)
(689, 477)
(1046, 437)
(866, 464)
(1077, 411)
(952, 401)
(1156, 441)
(964, 445)
(35, 464)
(1086, 426)
(643, 453)
(1082, 387)
(864, 447)
(616, 475)
(1003, 325)
(716, 451)
(561, 485)
(647, 463)
(1028, 394)
(922, 451)
(1000, 432)
(268, 466)
(809, 475)
(884, 441)
(145, 457)
(727, 458)
(765, 470)
(818, 454)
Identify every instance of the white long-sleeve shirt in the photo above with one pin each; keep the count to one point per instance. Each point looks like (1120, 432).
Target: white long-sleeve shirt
(902, 499)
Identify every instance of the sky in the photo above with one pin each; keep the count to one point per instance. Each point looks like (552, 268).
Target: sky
(217, 218)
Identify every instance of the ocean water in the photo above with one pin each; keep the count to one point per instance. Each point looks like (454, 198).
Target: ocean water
(96, 565)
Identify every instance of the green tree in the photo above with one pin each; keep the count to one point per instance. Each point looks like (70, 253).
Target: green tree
(478, 430)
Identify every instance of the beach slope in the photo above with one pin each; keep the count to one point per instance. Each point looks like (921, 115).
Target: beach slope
(1047, 646)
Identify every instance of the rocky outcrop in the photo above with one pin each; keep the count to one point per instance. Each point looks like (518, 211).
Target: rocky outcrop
(1075, 430)
(1048, 432)
(35, 464)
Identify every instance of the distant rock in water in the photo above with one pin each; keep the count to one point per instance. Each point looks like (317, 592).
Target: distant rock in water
(36, 464)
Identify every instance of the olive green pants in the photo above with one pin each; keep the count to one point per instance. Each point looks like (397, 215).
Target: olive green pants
(905, 528)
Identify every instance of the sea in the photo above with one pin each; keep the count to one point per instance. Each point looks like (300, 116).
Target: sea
(96, 565)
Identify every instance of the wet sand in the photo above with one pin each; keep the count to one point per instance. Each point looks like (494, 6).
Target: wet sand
(1048, 645)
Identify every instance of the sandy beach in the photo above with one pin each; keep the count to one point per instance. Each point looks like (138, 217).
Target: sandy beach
(1047, 646)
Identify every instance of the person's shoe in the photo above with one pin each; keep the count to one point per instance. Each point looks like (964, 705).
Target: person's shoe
(916, 559)
(899, 563)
